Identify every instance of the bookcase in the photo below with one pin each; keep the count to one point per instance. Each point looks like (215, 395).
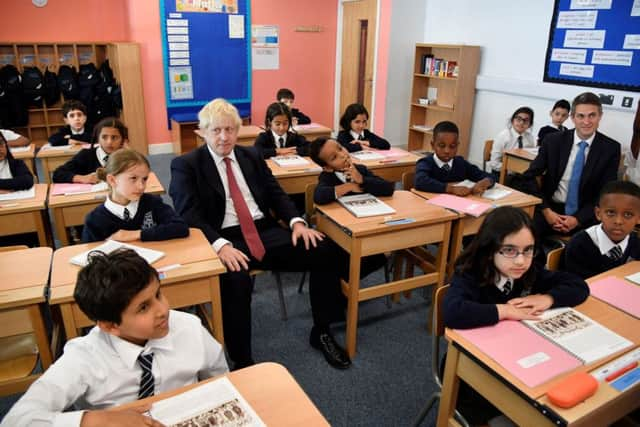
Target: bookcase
(124, 60)
(442, 96)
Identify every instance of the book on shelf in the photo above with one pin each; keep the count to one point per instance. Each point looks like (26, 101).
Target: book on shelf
(150, 255)
(432, 94)
(562, 340)
(364, 155)
(451, 69)
(426, 63)
(214, 403)
(290, 160)
(365, 205)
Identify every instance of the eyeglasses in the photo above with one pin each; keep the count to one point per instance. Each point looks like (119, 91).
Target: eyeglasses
(513, 252)
(521, 119)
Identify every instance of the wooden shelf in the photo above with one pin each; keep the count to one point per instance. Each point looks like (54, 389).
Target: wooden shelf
(454, 95)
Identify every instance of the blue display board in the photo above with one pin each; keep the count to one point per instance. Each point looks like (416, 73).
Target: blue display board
(206, 51)
(595, 43)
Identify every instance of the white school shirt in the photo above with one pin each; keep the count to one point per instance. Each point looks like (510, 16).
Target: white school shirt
(602, 241)
(101, 154)
(9, 135)
(560, 196)
(118, 210)
(508, 140)
(5, 170)
(356, 135)
(440, 163)
(277, 137)
(100, 371)
(632, 166)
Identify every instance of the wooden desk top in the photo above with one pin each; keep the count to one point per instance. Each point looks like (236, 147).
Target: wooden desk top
(25, 205)
(271, 391)
(406, 204)
(188, 252)
(60, 200)
(405, 159)
(294, 171)
(28, 154)
(252, 131)
(521, 153)
(21, 285)
(610, 317)
(516, 198)
(63, 151)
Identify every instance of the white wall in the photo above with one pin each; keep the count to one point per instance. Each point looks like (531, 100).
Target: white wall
(407, 29)
(513, 36)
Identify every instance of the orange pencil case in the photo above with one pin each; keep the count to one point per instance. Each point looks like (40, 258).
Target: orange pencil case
(572, 390)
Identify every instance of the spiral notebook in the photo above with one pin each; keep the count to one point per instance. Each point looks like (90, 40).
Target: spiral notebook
(364, 205)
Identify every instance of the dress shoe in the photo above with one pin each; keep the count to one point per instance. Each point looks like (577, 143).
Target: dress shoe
(333, 353)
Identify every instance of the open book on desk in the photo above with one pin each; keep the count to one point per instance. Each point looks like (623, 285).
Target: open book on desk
(215, 403)
(19, 195)
(367, 155)
(290, 160)
(535, 351)
(365, 205)
(109, 246)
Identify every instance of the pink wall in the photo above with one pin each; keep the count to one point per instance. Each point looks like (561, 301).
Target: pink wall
(307, 60)
(384, 30)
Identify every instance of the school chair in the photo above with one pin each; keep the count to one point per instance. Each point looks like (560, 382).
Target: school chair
(554, 257)
(309, 213)
(436, 335)
(486, 153)
(278, 278)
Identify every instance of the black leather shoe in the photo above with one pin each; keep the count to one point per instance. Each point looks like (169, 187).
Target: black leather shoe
(333, 353)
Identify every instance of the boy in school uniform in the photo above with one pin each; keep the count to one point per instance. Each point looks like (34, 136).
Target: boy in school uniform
(340, 176)
(613, 242)
(287, 97)
(559, 114)
(574, 166)
(76, 130)
(439, 172)
(138, 348)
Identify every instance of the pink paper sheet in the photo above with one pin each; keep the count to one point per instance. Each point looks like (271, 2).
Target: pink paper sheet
(618, 293)
(460, 204)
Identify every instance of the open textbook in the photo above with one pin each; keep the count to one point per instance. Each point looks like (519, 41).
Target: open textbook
(364, 205)
(19, 195)
(290, 160)
(367, 155)
(215, 403)
(109, 246)
(562, 340)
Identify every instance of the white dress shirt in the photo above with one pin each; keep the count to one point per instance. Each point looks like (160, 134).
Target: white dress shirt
(356, 135)
(277, 137)
(118, 210)
(101, 154)
(440, 163)
(560, 196)
(602, 241)
(508, 140)
(100, 370)
(73, 132)
(5, 170)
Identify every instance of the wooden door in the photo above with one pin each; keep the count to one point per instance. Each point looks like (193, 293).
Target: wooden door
(358, 47)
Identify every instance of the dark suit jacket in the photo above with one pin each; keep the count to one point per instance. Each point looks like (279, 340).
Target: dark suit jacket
(22, 177)
(327, 181)
(83, 163)
(58, 138)
(198, 194)
(602, 164)
(266, 144)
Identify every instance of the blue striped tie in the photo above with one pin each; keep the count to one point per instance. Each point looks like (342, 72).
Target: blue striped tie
(571, 204)
(147, 385)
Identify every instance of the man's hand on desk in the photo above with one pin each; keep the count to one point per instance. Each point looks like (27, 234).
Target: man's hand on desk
(233, 259)
(116, 418)
(309, 235)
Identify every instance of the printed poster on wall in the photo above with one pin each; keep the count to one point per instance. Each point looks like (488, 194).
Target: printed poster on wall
(265, 47)
(207, 6)
(181, 83)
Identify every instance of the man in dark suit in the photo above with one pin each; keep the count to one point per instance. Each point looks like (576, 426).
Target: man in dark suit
(574, 165)
(228, 192)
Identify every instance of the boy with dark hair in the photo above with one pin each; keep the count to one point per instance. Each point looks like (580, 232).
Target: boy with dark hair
(287, 97)
(340, 176)
(76, 130)
(559, 114)
(440, 171)
(138, 348)
(613, 242)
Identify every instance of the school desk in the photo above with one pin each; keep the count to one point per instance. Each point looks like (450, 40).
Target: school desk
(270, 390)
(52, 157)
(516, 160)
(25, 274)
(191, 136)
(26, 216)
(392, 168)
(194, 281)
(70, 210)
(467, 225)
(294, 179)
(529, 405)
(360, 237)
(28, 156)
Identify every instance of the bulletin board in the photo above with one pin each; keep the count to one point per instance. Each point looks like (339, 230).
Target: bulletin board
(206, 51)
(595, 43)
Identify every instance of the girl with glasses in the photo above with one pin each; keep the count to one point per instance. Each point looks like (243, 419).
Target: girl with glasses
(517, 134)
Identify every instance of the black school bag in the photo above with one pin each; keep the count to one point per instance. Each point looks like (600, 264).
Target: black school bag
(68, 82)
(51, 89)
(33, 86)
(15, 113)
